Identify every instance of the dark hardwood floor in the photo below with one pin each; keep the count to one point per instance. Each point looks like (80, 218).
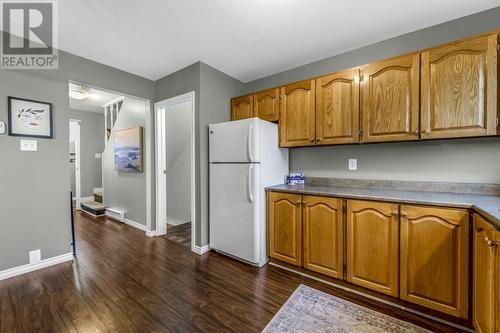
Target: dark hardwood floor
(180, 234)
(123, 281)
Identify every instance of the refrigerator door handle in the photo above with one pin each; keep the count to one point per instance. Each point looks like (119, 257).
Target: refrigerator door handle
(249, 143)
(250, 182)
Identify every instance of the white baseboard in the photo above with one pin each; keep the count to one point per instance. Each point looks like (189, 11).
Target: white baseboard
(174, 221)
(200, 250)
(136, 225)
(151, 233)
(11, 272)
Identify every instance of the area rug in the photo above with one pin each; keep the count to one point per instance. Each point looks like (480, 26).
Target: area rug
(311, 310)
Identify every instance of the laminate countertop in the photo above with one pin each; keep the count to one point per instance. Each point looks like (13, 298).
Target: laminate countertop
(486, 205)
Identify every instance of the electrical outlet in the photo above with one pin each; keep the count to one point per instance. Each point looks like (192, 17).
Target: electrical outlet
(353, 164)
(2, 127)
(29, 145)
(35, 256)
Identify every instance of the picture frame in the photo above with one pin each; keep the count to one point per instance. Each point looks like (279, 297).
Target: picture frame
(30, 118)
(128, 150)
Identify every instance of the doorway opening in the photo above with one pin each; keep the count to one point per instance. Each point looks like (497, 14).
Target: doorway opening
(175, 176)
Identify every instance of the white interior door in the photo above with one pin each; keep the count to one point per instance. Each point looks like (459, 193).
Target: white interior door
(235, 201)
(74, 134)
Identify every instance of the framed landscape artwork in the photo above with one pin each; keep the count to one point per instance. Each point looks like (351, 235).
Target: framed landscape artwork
(29, 118)
(128, 151)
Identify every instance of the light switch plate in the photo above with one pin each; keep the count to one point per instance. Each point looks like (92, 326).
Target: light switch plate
(98, 155)
(29, 145)
(353, 164)
(2, 127)
(35, 256)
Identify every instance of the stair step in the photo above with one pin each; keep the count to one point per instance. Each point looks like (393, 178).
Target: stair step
(98, 197)
(93, 208)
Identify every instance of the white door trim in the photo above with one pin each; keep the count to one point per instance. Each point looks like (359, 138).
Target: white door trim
(161, 178)
(78, 171)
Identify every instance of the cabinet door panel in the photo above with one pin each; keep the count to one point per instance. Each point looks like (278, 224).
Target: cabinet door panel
(459, 89)
(297, 121)
(242, 107)
(337, 108)
(285, 227)
(390, 99)
(267, 104)
(485, 290)
(373, 245)
(323, 238)
(434, 258)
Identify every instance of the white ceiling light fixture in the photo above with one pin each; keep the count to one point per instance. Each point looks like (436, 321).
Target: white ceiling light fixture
(78, 92)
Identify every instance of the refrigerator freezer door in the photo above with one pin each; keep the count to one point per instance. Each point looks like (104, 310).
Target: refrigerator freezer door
(235, 203)
(235, 141)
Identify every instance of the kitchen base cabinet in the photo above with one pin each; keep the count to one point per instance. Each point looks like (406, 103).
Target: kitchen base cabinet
(285, 227)
(323, 236)
(486, 285)
(373, 245)
(434, 258)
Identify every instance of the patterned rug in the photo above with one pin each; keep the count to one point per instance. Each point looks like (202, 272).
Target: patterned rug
(311, 310)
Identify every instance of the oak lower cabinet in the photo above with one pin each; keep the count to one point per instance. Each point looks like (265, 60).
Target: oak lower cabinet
(285, 227)
(323, 235)
(373, 245)
(267, 104)
(390, 99)
(486, 279)
(297, 120)
(459, 89)
(242, 107)
(434, 258)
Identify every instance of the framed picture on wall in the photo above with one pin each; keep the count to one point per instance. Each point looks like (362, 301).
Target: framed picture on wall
(29, 118)
(128, 150)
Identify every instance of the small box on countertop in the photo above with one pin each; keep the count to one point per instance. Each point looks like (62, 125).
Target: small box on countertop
(295, 178)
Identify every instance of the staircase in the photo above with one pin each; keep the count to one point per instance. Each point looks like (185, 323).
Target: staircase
(112, 109)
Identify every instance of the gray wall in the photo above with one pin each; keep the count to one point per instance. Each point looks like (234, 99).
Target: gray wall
(214, 90)
(126, 190)
(91, 143)
(34, 191)
(474, 160)
(178, 121)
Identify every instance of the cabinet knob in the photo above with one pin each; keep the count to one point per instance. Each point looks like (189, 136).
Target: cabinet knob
(491, 243)
(317, 140)
(403, 214)
(427, 132)
(312, 140)
(416, 133)
(395, 213)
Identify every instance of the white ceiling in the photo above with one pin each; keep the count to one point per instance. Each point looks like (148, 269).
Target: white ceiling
(247, 39)
(93, 103)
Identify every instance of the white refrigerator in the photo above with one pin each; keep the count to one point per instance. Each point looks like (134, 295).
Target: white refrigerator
(244, 159)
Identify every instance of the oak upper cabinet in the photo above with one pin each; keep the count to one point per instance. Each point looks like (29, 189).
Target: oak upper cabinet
(486, 280)
(267, 104)
(337, 108)
(390, 99)
(373, 245)
(323, 236)
(242, 107)
(297, 120)
(285, 227)
(434, 258)
(459, 89)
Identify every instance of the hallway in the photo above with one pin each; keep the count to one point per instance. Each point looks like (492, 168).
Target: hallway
(123, 281)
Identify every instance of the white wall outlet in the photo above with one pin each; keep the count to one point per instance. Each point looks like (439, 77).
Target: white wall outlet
(35, 256)
(353, 164)
(29, 145)
(98, 155)
(2, 127)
